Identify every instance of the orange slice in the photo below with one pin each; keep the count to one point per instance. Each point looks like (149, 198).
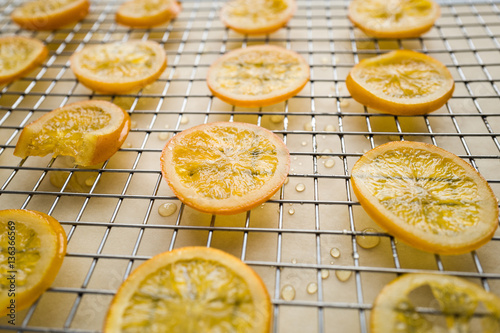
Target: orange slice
(257, 16)
(444, 304)
(426, 197)
(19, 56)
(401, 82)
(147, 13)
(50, 14)
(90, 131)
(225, 168)
(119, 67)
(32, 245)
(192, 289)
(258, 75)
(393, 18)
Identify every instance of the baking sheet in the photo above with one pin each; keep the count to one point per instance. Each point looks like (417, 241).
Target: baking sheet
(113, 224)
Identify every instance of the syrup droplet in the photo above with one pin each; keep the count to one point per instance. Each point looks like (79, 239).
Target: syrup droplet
(367, 241)
(300, 187)
(294, 261)
(303, 143)
(277, 118)
(287, 292)
(184, 120)
(326, 151)
(325, 273)
(291, 211)
(167, 209)
(312, 288)
(90, 180)
(344, 103)
(329, 163)
(133, 124)
(335, 252)
(308, 126)
(286, 180)
(163, 136)
(343, 275)
(127, 145)
(330, 128)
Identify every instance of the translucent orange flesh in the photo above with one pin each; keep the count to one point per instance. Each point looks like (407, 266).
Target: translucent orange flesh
(63, 134)
(385, 14)
(12, 55)
(259, 72)
(27, 245)
(424, 189)
(258, 12)
(140, 8)
(36, 8)
(224, 162)
(119, 61)
(401, 78)
(212, 296)
(457, 304)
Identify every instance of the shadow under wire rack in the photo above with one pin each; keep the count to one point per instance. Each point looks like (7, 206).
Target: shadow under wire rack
(309, 236)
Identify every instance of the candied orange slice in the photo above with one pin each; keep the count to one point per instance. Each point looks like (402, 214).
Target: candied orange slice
(393, 18)
(224, 167)
(401, 82)
(90, 131)
(119, 67)
(50, 14)
(147, 13)
(258, 75)
(426, 197)
(19, 56)
(257, 16)
(32, 245)
(191, 289)
(434, 303)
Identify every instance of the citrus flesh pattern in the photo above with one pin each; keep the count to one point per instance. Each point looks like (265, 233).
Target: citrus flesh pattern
(68, 127)
(255, 14)
(458, 302)
(259, 72)
(44, 7)
(143, 8)
(225, 162)
(401, 80)
(119, 61)
(424, 189)
(191, 296)
(19, 54)
(27, 244)
(393, 17)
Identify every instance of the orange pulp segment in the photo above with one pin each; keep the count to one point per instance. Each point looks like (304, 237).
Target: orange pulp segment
(258, 75)
(20, 55)
(50, 14)
(191, 289)
(32, 245)
(434, 303)
(90, 131)
(401, 82)
(257, 16)
(119, 67)
(426, 196)
(147, 13)
(393, 18)
(225, 167)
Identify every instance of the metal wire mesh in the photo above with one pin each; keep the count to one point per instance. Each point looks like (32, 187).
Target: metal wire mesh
(308, 240)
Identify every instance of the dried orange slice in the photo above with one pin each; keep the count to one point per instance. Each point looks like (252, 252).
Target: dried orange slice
(258, 75)
(426, 197)
(393, 18)
(257, 16)
(119, 67)
(20, 55)
(224, 167)
(147, 13)
(33, 245)
(90, 131)
(401, 82)
(191, 289)
(444, 304)
(50, 14)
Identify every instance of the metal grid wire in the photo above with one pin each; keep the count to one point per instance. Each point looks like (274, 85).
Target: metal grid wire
(110, 214)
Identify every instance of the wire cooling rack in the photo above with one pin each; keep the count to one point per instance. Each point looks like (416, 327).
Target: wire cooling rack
(307, 241)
